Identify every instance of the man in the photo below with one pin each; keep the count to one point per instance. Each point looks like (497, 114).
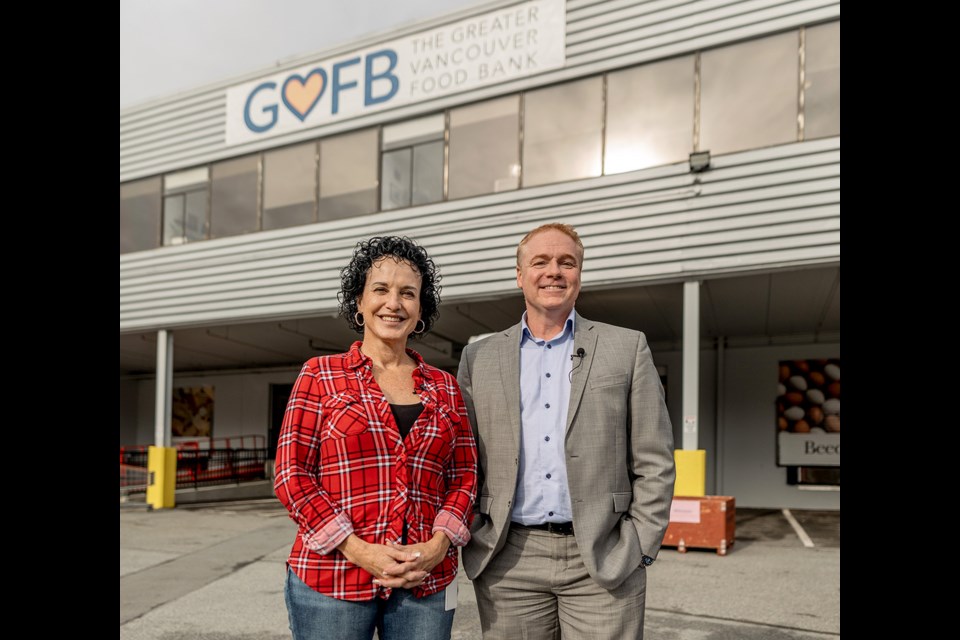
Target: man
(576, 461)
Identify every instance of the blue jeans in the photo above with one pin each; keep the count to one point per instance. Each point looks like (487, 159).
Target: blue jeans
(314, 616)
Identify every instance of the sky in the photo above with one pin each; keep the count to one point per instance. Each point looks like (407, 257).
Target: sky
(169, 46)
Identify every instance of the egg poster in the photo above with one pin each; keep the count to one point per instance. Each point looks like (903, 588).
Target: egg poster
(193, 412)
(808, 413)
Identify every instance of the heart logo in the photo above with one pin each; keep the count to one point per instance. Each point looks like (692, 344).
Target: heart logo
(302, 94)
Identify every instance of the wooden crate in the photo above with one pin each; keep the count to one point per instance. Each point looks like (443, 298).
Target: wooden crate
(703, 522)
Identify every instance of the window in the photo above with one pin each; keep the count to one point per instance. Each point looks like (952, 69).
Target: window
(348, 175)
(649, 115)
(397, 177)
(139, 215)
(821, 102)
(819, 476)
(748, 94)
(412, 163)
(484, 148)
(185, 196)
(290, 186)
(562, 132)
(233, 197)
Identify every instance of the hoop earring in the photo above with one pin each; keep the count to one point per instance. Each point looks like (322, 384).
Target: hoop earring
(421, 330)
(358, 319)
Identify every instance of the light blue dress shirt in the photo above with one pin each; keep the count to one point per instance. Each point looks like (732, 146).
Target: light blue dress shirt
(542, 491)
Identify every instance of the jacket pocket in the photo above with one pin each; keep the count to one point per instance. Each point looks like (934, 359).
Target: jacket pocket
(608, 381)
(481, 513)
(622, 501)
(484, 504)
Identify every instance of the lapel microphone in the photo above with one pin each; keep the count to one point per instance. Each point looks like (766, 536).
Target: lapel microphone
(579, 354)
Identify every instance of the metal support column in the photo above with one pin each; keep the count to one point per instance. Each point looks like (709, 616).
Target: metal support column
(691, 461)
(162, 458)
(721, 408)
(691, 363)
(164, 391)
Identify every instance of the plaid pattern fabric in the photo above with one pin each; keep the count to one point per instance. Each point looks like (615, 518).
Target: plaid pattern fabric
(343, 468)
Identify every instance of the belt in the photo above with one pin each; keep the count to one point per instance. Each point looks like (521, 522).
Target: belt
(562, 528)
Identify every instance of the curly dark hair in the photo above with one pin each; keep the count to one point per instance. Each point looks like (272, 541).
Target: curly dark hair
(353, 277)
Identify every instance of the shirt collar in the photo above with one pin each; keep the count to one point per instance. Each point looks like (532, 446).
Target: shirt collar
(568, 328)
(356, 358)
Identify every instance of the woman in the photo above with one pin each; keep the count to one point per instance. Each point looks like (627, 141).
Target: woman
(376, 463)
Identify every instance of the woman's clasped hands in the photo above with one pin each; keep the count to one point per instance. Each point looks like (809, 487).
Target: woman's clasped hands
(394, 565)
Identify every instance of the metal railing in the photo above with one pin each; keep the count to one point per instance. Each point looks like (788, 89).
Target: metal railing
(216, 461)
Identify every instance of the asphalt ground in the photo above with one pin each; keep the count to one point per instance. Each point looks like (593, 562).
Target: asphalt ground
(215, 571)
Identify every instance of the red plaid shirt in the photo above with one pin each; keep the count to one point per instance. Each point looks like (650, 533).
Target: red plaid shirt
(343, 468)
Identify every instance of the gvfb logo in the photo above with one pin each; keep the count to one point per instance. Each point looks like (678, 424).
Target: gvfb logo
(356, 83)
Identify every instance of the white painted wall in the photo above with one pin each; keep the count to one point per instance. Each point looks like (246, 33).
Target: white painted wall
(750, 444)
(749, 464)
(241, 403)
(750, 472)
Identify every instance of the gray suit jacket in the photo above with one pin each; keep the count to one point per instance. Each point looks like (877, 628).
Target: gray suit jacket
(619, 447)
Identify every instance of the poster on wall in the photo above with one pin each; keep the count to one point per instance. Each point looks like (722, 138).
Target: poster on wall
(808, 413)
(193, 412)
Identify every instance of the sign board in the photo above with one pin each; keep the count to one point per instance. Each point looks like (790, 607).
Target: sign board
(491, 48)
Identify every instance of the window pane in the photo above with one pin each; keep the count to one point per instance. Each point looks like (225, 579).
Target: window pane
(422, 181)
(484, 148)
(233, 197)
(140, 215)
(173, 219)
(562, 132)
(185, 205)
(748, 96)
(186, 180)
(348, 175)
(413, 132)
(428, 173)
(396, 179)
(649, 115)
(195, 216)
(289, 186)
(821, 104)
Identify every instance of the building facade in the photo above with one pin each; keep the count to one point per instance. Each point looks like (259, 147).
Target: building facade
(695, 146)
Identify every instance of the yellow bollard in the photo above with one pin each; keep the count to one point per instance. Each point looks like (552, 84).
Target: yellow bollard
(162, 482)
(691, 472)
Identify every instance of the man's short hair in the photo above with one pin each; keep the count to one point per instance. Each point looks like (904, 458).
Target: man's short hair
(565, 229)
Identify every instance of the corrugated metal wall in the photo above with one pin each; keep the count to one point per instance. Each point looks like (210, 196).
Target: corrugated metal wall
(189, 129)
(761, 209)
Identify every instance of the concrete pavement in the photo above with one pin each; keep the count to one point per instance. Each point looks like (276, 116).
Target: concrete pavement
(215, 572)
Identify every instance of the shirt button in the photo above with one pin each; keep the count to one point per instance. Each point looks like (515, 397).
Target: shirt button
(548, 476)
(549, 346)
(547, 405)
(547, 438)
(548, 375)
(550, 513)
